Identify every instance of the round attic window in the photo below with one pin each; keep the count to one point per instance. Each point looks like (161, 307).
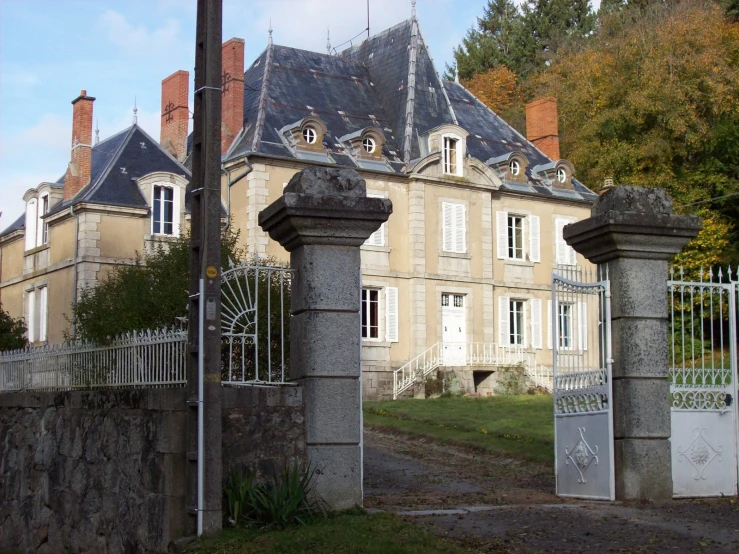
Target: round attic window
(369, 145)
(515, 168)
(561, 175)
(309, 135)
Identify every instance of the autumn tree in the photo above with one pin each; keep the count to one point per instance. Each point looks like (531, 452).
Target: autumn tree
(654, 100)
(495, 87)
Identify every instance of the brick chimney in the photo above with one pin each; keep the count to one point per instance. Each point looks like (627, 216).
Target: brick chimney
(232, 100)
(80, 164)
(541, 126)
(175, 114)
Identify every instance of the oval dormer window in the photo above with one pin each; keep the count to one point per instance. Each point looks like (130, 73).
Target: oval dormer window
(369, 145)
(515, 168)
(309, 135)
(561, 175)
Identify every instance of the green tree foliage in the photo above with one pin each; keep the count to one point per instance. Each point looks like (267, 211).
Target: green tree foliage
(149, 294)
(12, 332)
(654, 100)
(524, 40)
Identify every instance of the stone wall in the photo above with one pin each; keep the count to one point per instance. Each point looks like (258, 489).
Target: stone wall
(104, 471)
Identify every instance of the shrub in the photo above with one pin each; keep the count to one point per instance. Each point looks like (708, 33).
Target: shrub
(12, 332)
(287, 499)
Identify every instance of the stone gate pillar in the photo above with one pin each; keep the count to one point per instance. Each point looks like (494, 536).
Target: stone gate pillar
(633, 230)
(322, 219)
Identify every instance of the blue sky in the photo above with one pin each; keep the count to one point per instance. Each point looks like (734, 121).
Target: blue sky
(121, 50)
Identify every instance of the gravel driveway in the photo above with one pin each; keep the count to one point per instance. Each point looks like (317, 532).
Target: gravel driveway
(496, 504)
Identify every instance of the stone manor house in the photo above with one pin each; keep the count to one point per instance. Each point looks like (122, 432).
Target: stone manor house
(462, 266)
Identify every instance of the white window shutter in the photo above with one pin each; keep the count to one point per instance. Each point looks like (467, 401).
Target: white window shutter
(391, 314)
(560, 246)
(503, 323)
(459, 228)
(447, 224)
(536, 323)
(534, 249)
(31, 209)
(502, 227)
(549, 324)
(176, 207)
(43, 312)
(378, 237)
(31, 321)
(573, 255)
(582, 316)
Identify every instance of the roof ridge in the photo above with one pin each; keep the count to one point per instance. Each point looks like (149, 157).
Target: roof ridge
(261, 111)
(411, 92)
(381, 33)
(438, 76)
(162, 149)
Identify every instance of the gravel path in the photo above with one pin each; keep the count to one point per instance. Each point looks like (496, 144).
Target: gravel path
(496, 504)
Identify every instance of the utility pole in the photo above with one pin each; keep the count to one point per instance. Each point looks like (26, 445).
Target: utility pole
(204, 466)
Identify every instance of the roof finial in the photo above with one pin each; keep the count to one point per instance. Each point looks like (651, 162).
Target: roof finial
(135, 111)
(456, 74)
(328, 41)
(270, 31)
(97, 131)
(413, 9)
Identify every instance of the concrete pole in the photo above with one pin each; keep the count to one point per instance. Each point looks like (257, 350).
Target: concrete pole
(634, 232)
(204, 311)
(322, 219)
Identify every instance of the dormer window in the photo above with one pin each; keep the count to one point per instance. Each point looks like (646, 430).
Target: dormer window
(515, 168)
(561, 175)
(309, 135)
(450, 155)
(369, 145)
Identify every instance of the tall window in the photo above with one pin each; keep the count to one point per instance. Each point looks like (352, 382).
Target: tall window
(370, 314)
(515, 315)
(564, 324)
(43, 210)
(450, 155)
(515, 237)
(163, 211)
(37, 314)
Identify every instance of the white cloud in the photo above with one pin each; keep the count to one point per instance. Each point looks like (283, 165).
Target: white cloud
(140, 39)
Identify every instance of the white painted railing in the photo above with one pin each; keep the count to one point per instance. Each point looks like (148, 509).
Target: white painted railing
(143, 359)
(469, 354)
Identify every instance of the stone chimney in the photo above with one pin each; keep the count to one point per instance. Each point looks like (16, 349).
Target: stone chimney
(80, 164)
(541, 126)
(232, 100)
(175, 115)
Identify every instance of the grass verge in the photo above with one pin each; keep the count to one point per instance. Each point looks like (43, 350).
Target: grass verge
(348, 532)
(517, 426)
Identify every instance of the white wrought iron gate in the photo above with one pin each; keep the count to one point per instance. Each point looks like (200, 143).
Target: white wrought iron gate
(703, 370)
(580, 331)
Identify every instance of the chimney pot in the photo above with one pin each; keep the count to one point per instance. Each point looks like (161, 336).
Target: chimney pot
(232, 98)
(542, 127)
(175, 114)
(80, 164)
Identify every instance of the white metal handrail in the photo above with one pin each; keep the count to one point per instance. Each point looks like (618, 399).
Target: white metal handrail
(469, 354)
(139, 359)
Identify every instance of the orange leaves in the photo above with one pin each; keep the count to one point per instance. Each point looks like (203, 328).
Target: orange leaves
(496, 88)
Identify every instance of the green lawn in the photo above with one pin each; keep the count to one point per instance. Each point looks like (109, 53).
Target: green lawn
(519, 426)
(345, 533)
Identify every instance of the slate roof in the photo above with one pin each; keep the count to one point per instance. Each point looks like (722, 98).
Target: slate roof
(116, 164)
(371, 79)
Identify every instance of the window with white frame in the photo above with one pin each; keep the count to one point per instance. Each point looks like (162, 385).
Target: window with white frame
(372, 316)
(165, 210)
(43, 231)
(572, 326)
(518, 236)
(450, 155)
(454, 227)
(515, 322)
(565, 254)
(378, 237)
(31, 223)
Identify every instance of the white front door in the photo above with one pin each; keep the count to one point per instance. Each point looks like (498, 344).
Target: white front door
(454, 332)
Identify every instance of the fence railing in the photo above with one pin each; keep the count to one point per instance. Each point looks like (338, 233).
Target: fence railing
(141, 359)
